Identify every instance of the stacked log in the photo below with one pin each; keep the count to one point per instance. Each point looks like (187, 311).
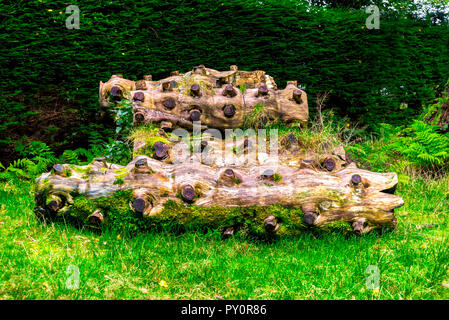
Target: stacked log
(184, 172)
(219, 100)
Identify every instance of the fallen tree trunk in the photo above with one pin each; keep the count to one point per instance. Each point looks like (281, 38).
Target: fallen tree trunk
(219, 100)
(351, 195)
(205, 181)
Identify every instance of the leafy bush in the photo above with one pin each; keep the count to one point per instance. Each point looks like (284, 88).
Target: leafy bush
(422, 144)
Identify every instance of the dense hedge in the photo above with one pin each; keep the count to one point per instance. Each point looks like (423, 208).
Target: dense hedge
(370, 72)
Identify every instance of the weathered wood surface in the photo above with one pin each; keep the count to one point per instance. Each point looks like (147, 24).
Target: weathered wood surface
(353, 195)
(208, 172)
(218, 99)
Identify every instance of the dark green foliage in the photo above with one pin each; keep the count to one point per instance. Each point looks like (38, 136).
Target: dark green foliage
(419, 146)
(422, 144)
(371, 72)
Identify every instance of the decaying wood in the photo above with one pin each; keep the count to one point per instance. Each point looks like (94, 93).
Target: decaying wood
(206, 170)
(219, 99)
(353, 195)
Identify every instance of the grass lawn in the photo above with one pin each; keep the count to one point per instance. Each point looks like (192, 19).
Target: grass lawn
(413, 262)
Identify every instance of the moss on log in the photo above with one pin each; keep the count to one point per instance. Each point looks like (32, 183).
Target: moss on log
(153, 189)
(200, 180)
(219, 99)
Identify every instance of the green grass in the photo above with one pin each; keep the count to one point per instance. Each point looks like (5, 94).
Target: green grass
(413, 263)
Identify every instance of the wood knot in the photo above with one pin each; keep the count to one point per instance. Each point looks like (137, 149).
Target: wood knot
(139, 117)
(96, 218)
(169, 103)
(188, 193)
(167, 86)
(195, 115)
(329, 164)
(161, 150)
(297, 95)
(139, 205)
(229, 110)
(141, 85)
(195, 90)
(262, 90)
(356, 179)
(139, 96)
(229, 91)
(116, 93)
(271, 224)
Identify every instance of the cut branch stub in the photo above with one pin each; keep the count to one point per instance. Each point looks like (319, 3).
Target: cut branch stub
(141, 166)
(195, 90)
(229, 110)
(96, 218)
(54, 203)
(195, 115)
(228, 178)
(329, 164)
(161, 150)
(310, 213)
(116, 93)
(166, 126)
(169, 103)
(229, 91)
(203, 145)
(360, 227)
(268, 174)
(356, 179)
(139, 96)
(139, 117)
(262, 90)
(270, 224)
(188, 193)
(297, 95)
(139, 205)
(102, 160)
(166, 86)
(246, 143)
(141, 85)
(228, 232)
(229, 173)
(148, 77)
(59, 169)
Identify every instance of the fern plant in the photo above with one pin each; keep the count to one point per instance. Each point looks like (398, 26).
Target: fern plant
(423, 144)
(37, 159)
